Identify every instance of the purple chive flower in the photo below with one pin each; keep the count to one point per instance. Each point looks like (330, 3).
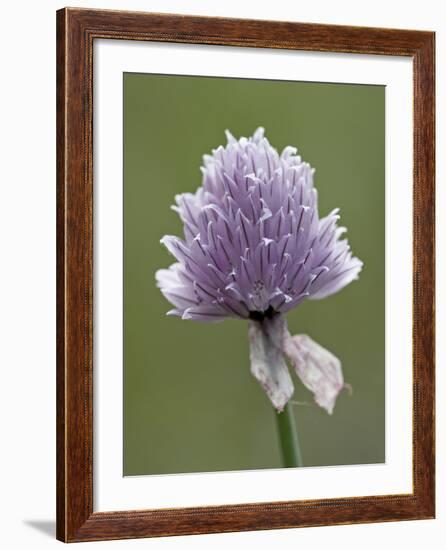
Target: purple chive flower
(254, 248)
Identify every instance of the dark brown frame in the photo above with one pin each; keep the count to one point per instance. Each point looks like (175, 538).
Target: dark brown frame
(76, 31)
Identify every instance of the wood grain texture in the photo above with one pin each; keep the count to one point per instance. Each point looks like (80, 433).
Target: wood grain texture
(76, 31)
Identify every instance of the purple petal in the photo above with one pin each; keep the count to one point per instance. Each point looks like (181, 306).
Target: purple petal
(337, 281)
(205, 314)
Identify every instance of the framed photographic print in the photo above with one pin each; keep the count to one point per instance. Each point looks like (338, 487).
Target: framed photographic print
(229, 358)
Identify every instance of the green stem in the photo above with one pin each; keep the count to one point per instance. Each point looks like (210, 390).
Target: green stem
(289, 442)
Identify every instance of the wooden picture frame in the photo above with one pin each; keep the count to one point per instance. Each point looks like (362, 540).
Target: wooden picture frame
(76, 31)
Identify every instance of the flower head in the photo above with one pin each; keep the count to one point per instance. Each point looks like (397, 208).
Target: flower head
(254, 248)
(253, 241)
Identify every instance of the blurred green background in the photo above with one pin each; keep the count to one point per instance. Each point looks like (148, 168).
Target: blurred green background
(190, 402)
